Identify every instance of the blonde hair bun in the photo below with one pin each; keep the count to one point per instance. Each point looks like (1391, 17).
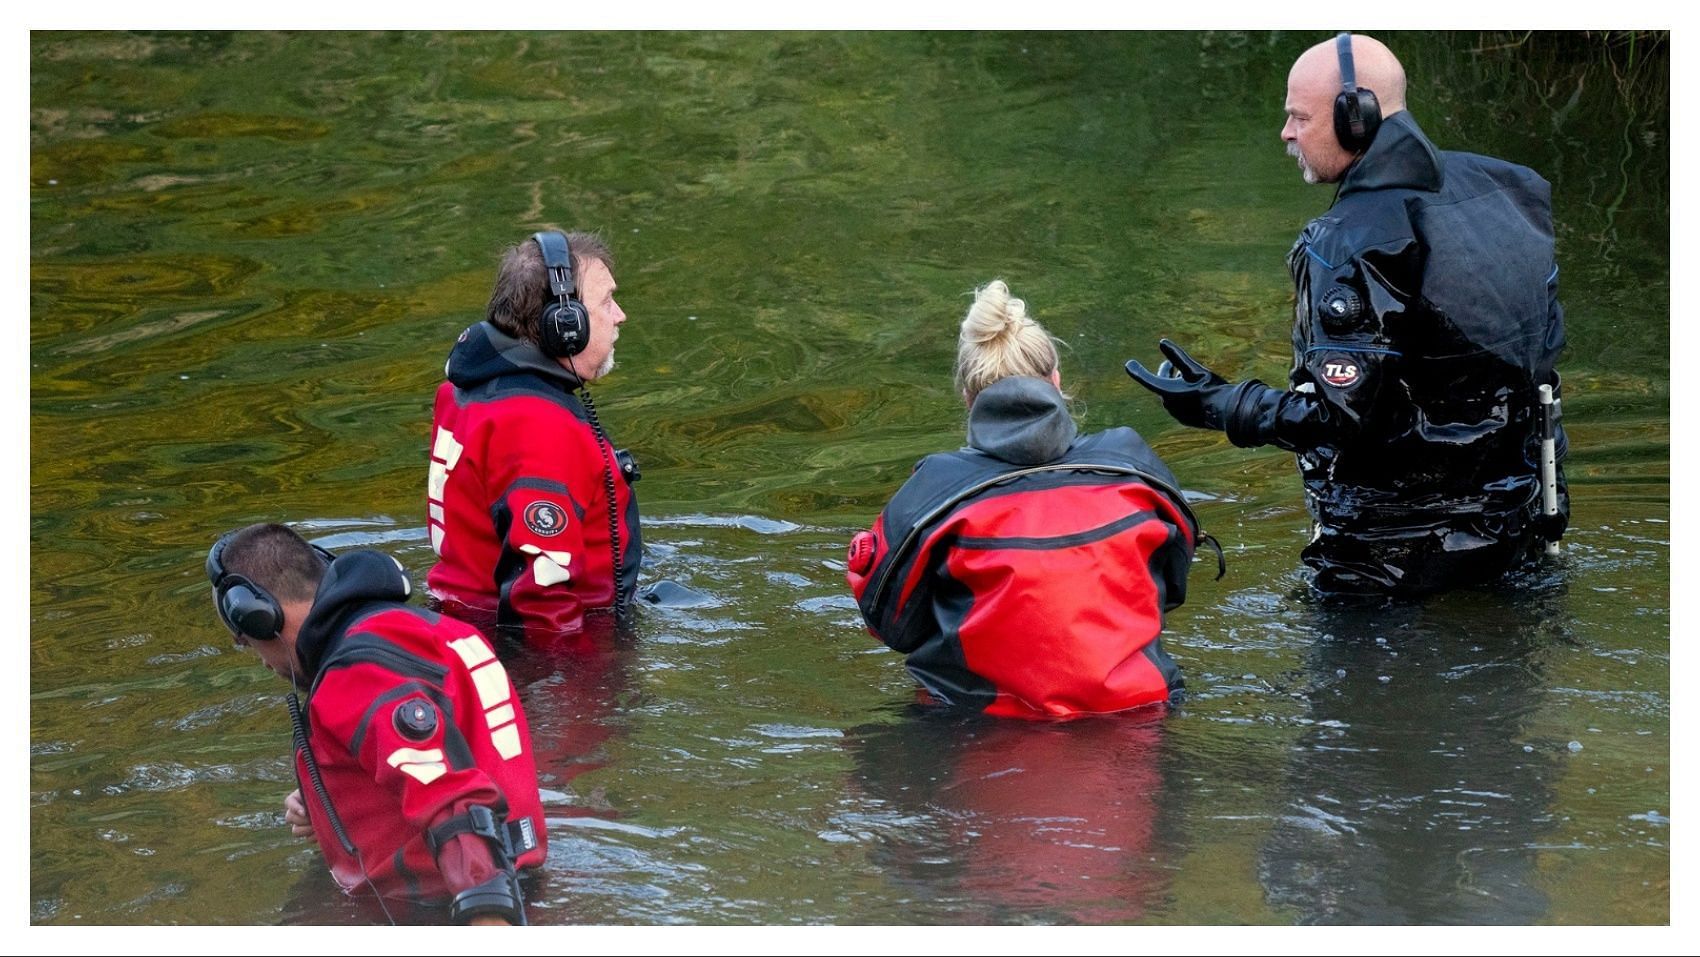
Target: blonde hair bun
(998, 340)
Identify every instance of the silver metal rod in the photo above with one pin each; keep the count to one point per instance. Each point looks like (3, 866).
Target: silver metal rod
(1549, 459)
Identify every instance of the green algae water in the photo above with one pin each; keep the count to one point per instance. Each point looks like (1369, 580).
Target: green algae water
(250, 252)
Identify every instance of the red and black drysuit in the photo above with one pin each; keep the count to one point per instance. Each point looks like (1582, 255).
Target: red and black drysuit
(519, 490)
(1028, 574)
(420, 745)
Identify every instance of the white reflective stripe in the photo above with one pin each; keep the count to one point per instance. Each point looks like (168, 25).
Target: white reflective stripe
(406, 582)
(472, 650)
(549, 567)
(496, 717)
(422, 766)
(548, 570)
(558, 557)
(506, 741)
(439, 477)
(414, 754)
(492, 682)
(437, 539)
(424, 773)
(436, 513)
(446, 448)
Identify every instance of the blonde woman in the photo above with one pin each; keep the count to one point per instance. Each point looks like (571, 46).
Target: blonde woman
(1027, 575)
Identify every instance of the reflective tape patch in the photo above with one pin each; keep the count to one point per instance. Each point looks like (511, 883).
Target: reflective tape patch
(506, 741)
(496, 717)
(439, 478)
(492, 683)
(548, 567)
(472, 650)
(422, 766)
(446, 448)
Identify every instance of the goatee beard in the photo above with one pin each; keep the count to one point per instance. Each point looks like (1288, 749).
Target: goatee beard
(1304, 167)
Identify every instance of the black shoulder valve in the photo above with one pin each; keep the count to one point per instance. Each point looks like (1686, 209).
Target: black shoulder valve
(1341, 307)
(415, 719)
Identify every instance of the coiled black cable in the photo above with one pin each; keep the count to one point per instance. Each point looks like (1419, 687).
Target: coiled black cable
(603, 445)
(298, 729)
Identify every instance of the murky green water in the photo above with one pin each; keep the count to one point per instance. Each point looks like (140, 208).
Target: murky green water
(250, 252)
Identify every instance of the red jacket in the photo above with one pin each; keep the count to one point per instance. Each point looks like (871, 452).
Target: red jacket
(412, 720)
(518, 493)
(1028, 574)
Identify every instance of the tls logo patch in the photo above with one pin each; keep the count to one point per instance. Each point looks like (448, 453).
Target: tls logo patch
(1340, 373)
(545, 518)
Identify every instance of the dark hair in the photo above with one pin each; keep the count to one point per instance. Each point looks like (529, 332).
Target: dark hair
(273, 557)
(522, 284)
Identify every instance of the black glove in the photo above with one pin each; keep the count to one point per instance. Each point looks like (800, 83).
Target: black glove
(1192, 394)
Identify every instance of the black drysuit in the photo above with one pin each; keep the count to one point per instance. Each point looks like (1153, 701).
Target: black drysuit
(1426, 308)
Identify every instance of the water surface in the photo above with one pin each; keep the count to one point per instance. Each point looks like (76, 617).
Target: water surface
(250, 252)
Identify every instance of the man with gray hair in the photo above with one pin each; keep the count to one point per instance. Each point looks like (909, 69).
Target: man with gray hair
(531, 509)
(1426, 324)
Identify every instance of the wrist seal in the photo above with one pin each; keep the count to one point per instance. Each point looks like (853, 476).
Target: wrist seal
(1243, 423)
(499, 895)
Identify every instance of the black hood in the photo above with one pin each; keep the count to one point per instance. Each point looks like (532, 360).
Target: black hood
(1021, 420)
(1400, 157)
(352, 582)
(484, 352)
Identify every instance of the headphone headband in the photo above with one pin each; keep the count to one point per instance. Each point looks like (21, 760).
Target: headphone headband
(558, 260)
(245, 607)
(563, 327)
(1348, 74)
(1357, 113)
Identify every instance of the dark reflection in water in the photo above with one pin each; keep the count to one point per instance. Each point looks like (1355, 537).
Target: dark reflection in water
(574, 692)
(985, 821)
(1418, 795)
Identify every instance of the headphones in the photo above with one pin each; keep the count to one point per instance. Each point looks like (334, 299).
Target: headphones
(564, 328)
(1357, 113)
(245, 608)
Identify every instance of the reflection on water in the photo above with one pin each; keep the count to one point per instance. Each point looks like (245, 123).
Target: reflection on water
(1418, 794)
(249, 253)
(993, 822)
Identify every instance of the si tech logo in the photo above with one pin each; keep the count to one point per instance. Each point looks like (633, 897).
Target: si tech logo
(545, 518)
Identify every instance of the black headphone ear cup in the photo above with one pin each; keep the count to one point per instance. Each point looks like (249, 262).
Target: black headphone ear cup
(564, 329)
(1343, 122)
(1369, 109)
(250, 612)
(1361, 105)
(1357, 113)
